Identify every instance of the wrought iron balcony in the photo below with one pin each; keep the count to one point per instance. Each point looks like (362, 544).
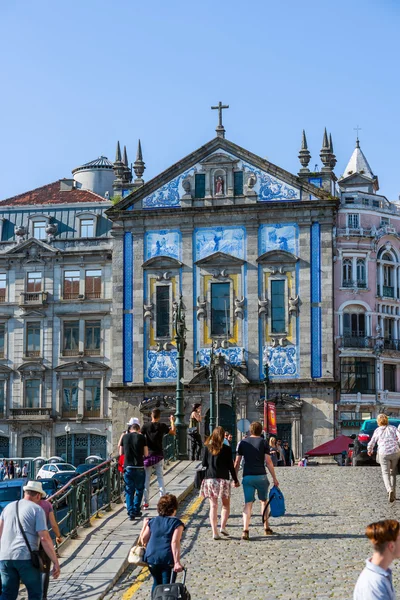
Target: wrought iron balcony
(391, 344)
(33, 414)
(92, 352)
(33, 298)
(388, 291)
(355, 341)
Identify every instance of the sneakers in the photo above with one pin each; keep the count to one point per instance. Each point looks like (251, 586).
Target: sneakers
(224, 532)
(145, 506)
(217, 537)
(392, 496)
(135, 516)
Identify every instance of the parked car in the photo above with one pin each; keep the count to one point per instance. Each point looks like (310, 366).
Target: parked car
(360, 456)
(62, 479)
(12, 489)
(52, 470)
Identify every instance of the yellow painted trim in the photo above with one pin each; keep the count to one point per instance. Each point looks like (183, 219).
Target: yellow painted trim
(152, 328)
(234, 278)
(144, 573)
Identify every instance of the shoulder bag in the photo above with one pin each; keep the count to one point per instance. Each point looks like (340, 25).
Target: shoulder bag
(36, 558)
(136, 555)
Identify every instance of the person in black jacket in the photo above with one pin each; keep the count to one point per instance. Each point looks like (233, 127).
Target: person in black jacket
(219, 465)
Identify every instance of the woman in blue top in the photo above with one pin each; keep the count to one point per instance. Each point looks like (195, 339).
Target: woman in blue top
(162, 538)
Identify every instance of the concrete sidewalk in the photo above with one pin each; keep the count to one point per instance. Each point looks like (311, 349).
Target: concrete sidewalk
(91, 564)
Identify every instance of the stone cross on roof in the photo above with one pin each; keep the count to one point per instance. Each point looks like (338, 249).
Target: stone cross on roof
(220, 129)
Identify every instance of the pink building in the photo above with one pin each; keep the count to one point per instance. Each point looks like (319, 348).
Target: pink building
(367, 298)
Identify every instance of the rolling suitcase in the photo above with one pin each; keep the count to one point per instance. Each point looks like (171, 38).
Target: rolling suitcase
(172, 591)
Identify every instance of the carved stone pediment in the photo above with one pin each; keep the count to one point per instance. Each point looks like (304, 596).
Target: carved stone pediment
(277, 257)
(82, 365)
(161, 262)
(220, 259)
(32, 247)
(202, 375)
(219, 159)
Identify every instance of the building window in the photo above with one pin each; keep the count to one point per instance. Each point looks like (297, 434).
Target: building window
(92, 338)
(199, 185)
(70, 397)
(87, 228)
(71, 285)
(388, 327)
(2, 397)
(349, 200)
(2, 339)
(33, 339)
(357, 375)
(353, 325)
(220, 308)
(389, 378)
(365, 201)
(3, 281)
(71, 338)
(353, 221)
(278, 317)
(92, 397)
(39, 230)
(238, 183)
(375, 203)
(34, 282)
(162, 311)
(384, 221)
(347, 268)
(361, 273)
(93, 284)
(32, 393)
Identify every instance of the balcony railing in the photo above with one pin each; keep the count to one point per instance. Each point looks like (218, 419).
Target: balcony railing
(356, 341)
(69, 414)
(32, 298)
(92, 295)
(92, 352)
(88, 413)
(35, 414)
(391, 344)
(388, 291)
(32, 353)
(71, 295)
(2, 295)
(74, 352)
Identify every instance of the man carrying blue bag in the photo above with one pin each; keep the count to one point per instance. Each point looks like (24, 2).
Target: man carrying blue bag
(255, 451)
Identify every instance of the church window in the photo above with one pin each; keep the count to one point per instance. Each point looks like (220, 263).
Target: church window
(39, 230)
(353, 221)
(238, 183)
(200, 185)
(347, 272)
(33, 339)
(3, 282)
(34, 282)
(71, 285)
(87, 228)
(162, 311)
(220, 308)
(93, 284)
(278, 321)
(71, 338)
(32, 393)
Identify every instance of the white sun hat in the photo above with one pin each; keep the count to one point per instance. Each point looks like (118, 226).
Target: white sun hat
(35, 486)
(133, 421)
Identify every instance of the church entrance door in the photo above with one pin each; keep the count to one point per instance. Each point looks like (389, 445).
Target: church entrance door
(225, 418)
(285, 433)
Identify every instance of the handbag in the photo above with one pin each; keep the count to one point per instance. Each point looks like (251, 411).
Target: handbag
(192, 430)
(152, 460)
(36, 559)
(136, 555)
(199, 477)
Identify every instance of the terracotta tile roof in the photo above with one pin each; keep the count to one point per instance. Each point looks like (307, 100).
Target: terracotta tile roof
(51, 194)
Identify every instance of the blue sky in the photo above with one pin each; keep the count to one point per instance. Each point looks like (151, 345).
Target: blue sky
(79, 74)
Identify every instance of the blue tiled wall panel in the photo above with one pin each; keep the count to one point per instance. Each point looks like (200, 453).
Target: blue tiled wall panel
(316, 328)
(128, 305)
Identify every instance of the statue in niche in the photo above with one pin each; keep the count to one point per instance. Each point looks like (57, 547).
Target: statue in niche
(219, 186)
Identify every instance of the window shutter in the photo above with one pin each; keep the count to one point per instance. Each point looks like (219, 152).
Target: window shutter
(200, 185)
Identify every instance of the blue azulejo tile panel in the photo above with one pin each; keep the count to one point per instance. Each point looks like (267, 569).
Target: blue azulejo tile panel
(233, 356)
(169, 195)
(230, 240)
(163, 243)
(316, 326)
(282, 361)
(128, 306)
(279, 237)
(270, 188)
(161, 365)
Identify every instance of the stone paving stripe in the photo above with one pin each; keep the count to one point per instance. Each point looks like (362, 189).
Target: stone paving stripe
(145, 573)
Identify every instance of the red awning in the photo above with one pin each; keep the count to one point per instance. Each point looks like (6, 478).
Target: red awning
(332, 447)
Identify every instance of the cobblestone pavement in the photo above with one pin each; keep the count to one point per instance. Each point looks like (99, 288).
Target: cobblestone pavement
(318, 552)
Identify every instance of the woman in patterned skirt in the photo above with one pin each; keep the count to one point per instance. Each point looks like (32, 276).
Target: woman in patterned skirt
(219, 464)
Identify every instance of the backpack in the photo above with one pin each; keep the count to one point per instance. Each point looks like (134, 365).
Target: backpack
(276, 502)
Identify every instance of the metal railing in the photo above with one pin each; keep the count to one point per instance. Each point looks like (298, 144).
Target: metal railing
(32, 298)
(388, 291)
(30, 413)
(391, 344)
(85, 496)
(169, 448)
(352, 341)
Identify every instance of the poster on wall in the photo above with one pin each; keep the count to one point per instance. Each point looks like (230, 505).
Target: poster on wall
(271, 412)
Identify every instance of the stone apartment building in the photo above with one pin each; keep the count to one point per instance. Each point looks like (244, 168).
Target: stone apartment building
(367, 298)
(55, 317)
(249, 247)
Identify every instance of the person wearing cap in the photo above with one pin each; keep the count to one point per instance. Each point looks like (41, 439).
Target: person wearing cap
(15, 558)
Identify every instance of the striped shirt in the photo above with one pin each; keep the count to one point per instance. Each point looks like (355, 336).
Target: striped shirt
(388, 439)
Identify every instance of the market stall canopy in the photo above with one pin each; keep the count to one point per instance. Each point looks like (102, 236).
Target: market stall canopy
(336, 446)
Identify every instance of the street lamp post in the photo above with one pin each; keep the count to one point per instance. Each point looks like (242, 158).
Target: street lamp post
(231, 379)
(180, 331)
(67, 430)
(266, 381)
(211, 372)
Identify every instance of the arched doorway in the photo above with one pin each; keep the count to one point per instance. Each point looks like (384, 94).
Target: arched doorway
(225, 418)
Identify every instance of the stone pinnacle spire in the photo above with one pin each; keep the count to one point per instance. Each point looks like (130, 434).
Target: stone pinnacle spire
(325, 154)
(138, 165)
(118, 153)
(125, 159)
(118, 166)
(333, 157)
(304, 153)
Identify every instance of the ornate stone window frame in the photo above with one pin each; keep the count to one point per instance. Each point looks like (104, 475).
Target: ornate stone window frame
(35, 218)
(86, 215)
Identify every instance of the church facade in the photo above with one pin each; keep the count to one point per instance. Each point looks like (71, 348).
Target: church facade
(248, 246)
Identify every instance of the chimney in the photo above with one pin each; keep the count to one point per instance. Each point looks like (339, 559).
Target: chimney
(66, 185)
